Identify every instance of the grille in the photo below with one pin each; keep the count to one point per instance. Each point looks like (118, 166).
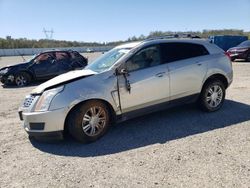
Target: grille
(28, 101)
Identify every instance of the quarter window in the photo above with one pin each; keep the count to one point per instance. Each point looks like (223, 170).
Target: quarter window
(145, 58)
(178, 51)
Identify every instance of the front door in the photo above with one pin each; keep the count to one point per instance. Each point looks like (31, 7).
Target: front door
(148, 80)
(45, 66)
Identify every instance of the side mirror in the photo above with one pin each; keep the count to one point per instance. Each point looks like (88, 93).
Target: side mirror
(124, 72)
(121, 72)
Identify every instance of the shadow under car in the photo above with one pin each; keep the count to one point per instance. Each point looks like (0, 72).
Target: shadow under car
(159, 127)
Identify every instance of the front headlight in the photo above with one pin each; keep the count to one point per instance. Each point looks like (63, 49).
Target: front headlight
(4, 71)
(46, 98)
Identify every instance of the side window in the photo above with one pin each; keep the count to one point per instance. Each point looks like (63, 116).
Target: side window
(61, 56)
(196, 50)
(73, 55)
(77, 60)
(178, 51)
(145, 58)
(45, 57)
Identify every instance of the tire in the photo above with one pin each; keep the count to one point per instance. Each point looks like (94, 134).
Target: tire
(212, 96)
(22, 79)
(248, 58)
(85, 125)
(233, 59)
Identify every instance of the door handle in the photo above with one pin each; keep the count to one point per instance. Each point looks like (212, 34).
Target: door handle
(160, 74)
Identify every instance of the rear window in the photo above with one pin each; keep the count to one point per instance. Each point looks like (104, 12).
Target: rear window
(178, 51)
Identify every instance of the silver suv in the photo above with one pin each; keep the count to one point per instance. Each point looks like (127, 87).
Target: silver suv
(128, 81)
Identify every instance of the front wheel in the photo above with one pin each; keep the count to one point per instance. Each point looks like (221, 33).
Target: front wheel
(22, 79)
(89, 121)
(233, 58)
(248, 57)
(212, 96)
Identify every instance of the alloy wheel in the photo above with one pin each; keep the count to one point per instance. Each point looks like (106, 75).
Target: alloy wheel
(94, 121)
(21, 80)
(214, 96)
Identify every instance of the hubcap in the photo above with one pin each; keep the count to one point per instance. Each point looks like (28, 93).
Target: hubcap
(20, 80)
(94, 121)
(214, 96)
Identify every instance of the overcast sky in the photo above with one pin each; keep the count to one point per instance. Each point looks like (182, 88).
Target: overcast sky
(110, 20)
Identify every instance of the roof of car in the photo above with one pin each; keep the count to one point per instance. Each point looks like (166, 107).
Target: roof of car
(129, 45)
(162, 40)
(198, 41)
(57, 50)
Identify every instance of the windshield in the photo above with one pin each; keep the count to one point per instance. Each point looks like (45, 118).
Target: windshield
(32, 58)
(107, 60)
(245, 44)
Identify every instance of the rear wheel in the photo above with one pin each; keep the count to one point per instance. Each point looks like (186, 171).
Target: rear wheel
(22, 79)
(89, 121)
(212, 96)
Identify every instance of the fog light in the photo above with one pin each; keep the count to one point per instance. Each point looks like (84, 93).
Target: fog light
(37, 126)
(11, 78)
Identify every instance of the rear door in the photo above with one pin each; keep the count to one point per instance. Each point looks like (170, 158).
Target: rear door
(63, 62)
(187, 64)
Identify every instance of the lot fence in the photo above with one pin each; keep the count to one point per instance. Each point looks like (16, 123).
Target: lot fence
(32, 51)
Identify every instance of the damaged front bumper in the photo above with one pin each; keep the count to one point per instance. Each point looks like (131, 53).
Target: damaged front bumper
(44, 124)
(7, 79)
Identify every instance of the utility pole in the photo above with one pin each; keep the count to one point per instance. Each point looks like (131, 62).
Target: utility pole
(48, 33)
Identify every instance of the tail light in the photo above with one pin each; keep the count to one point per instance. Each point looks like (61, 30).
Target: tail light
(229, 58)
(228, 55)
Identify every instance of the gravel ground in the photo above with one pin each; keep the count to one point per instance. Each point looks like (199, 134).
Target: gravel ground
(180, 147)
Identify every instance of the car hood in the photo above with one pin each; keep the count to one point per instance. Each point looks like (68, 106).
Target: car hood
(20, 65)
(237, 48)
(62, 79)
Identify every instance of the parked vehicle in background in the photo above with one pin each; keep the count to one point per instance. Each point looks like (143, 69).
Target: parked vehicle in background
(43, 66)
(128, 81)
(227, 41)
(89, 50)
(242, 51)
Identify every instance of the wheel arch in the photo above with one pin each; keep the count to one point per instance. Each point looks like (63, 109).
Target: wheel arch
(217, 76)
(110, 108)
(27, 72)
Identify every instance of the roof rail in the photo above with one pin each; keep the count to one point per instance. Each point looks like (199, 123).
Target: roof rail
(173, 36)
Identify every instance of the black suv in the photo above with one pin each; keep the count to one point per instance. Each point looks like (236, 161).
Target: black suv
(43, 66)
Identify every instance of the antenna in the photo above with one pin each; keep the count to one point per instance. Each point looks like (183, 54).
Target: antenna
(48, 33)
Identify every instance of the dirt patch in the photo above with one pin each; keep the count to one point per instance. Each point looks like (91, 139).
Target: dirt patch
(180, 147)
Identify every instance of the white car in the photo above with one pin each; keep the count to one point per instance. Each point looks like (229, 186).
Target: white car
(130, 80)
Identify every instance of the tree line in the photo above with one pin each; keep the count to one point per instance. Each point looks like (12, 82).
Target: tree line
(8, 42)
